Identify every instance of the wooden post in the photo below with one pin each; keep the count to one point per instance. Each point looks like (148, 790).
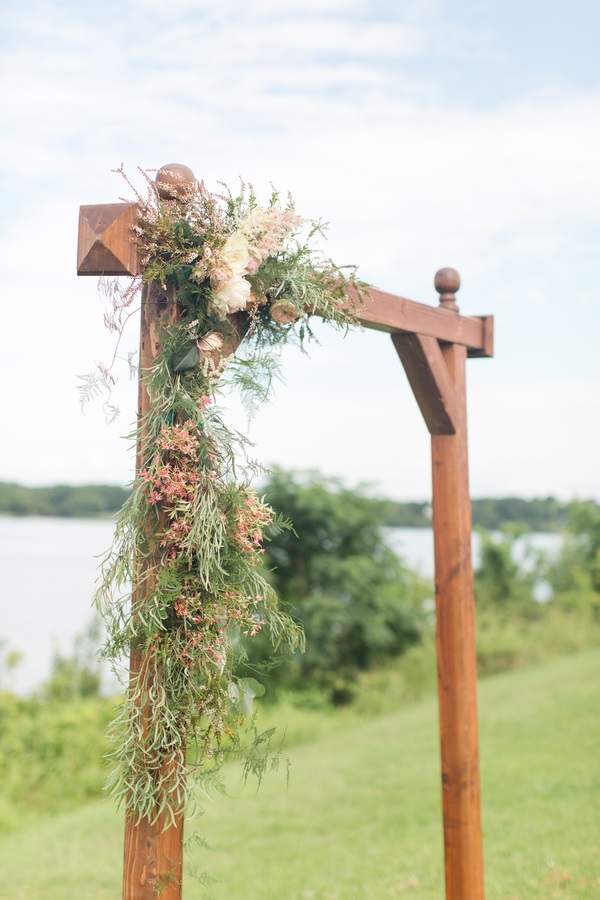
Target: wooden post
(457, 672)
(435, 367)
(153, 857)
(153, 850)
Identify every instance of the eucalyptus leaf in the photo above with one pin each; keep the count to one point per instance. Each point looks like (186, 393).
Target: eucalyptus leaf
(185, 357)
(246, 704)
(252, 687)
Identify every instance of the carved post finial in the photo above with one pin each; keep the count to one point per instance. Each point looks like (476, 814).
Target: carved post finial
(447, 282)
(174, 180)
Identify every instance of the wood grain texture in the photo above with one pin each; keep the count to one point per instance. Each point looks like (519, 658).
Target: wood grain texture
(487, 348)
(429, 379)
(153, 854)
(457, 673)
(106, 244)
(391, 313)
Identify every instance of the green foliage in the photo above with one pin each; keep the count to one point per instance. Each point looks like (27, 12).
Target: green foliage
(91, 501)
(84, 501)
(182, 583)
(489, 513)
(76, 675)
(500, 581)
(52, 744)
(51, 753)
(493, 513)
(357, 603)
(575, 574)
(513, 628)
(396, 514)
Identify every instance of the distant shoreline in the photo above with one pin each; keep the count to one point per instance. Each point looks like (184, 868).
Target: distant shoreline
(101, 501)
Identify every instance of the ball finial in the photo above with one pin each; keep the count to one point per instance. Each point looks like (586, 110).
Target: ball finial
(447, 282)
(174, 181)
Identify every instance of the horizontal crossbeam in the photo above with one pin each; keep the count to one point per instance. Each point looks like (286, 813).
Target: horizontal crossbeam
(107, 247)
(394, 314)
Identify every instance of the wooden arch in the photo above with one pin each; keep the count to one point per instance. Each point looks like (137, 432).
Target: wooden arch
(433, 344)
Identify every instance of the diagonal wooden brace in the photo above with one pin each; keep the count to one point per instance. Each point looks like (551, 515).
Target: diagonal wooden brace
(430, 380)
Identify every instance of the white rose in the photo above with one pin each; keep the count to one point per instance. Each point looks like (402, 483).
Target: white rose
(236, 253)
(235, 294)
(218, 305)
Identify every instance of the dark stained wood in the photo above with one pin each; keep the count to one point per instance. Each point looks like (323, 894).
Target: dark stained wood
(153, 853)
(447, 282)
(487, 348)
(394, 314)
(457, 673)
(430, 380)
(174, 180)
(106, 244)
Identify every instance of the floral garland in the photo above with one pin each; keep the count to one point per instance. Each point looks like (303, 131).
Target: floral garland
(189, 539)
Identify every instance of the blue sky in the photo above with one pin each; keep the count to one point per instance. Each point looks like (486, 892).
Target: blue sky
(427, 133)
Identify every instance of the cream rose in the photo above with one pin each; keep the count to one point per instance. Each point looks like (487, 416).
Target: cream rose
(236, 253)
(234, 294)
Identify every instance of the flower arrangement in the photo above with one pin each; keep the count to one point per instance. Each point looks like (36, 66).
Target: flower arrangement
(182, 584)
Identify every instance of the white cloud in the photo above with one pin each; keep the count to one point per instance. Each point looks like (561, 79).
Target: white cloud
(322, 99)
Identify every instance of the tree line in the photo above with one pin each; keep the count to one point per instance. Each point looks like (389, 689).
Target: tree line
(102, 501)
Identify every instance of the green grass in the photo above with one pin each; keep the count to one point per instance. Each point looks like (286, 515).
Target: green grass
(361, 818)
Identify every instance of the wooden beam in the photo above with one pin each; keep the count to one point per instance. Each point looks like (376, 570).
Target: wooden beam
(430, 380)
(107, 247)
(153, 851)
(455, 640)
(393, 314)
(487, 349)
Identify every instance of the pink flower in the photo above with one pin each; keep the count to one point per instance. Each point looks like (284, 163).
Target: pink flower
(283, 312)
(210, 342)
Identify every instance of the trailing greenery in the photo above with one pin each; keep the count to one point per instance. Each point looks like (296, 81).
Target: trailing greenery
(189, 538)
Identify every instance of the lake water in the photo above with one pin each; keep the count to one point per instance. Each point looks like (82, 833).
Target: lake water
(48, 568)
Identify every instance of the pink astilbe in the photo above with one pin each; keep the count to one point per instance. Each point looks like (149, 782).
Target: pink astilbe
(174, 473)
(267, 229)
(251, 518)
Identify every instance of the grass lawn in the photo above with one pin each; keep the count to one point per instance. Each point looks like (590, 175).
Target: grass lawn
(361, 818)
